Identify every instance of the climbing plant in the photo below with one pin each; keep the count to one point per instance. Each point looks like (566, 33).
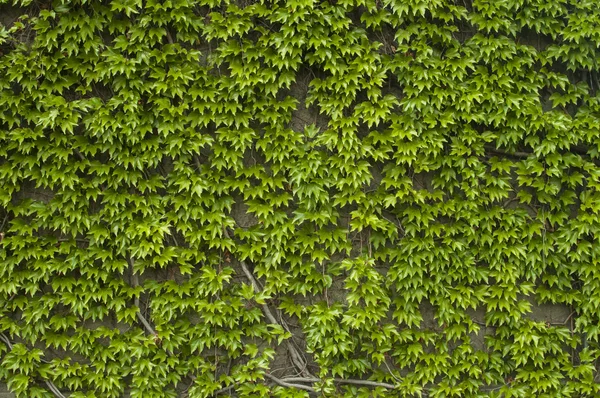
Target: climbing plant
(370, 198)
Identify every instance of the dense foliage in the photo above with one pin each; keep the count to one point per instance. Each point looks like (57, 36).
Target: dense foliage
(357, 198)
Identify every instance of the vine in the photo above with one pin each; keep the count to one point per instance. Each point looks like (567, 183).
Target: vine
(293, 198)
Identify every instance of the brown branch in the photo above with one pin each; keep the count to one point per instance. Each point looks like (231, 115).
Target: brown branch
(6, 341)
(514, 154)
(79, 155)
(224, 389)
(390, 370)
(4, 222)
(365, 383)
(284, 383)
(71, 239)
(358, 382)
(136, 300)
(297, 360)
(578, 149)
(147, 325)
(494, 388)
(54, 389)
(475, 321)
(197, 162)
(48, 383)
(301, 379)
(291, 382)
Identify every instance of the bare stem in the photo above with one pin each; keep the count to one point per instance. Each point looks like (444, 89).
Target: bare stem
(358, 382)
(136, 300)
(50, 385)
(297, 359)
(284, 383)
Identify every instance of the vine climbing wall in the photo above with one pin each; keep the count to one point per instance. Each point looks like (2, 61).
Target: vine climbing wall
(370, 198)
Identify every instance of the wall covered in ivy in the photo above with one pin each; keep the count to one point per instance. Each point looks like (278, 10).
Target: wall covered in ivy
(344, 198)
